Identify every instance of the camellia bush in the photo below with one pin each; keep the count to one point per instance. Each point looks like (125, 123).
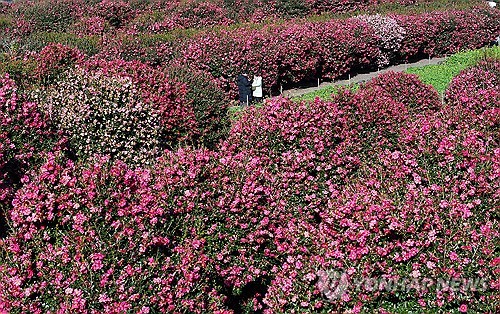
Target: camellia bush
(104, 115)
(26, 135)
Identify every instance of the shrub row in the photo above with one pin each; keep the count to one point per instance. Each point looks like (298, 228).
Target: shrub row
(385, 182)
(288, 54)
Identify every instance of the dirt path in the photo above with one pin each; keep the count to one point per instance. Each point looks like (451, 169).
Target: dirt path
(361, 77)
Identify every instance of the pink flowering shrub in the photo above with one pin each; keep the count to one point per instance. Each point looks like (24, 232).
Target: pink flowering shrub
(53, 60)
(108, 238)
(302, 52)
(345, 46)
(196, 14)
(476, 90)
(25, 135)
(406, 89)
(165, 16)
(398, 209)
(115, 12)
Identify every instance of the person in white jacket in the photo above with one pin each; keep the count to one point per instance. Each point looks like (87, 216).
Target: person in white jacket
(257, 88)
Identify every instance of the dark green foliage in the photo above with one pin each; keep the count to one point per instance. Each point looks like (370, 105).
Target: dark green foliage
(292, 8)
(209, 104)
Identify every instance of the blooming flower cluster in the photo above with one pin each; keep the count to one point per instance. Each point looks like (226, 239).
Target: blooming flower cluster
(386, 182)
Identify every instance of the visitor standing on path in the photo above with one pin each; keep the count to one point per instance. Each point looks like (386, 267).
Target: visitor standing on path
(244, 90)
(257, 88)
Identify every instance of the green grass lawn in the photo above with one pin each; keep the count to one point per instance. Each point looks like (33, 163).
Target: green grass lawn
(441, 75)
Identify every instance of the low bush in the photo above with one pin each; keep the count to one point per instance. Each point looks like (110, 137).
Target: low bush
(105, 115)
(476, 90)
(51, 15)
(209, 103)
(55, 59)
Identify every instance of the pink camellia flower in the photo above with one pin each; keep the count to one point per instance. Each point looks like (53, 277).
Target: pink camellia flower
(463, 308)
(453, 256)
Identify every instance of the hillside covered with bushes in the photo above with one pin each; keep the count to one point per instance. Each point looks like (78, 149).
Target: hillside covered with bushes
(125, 187)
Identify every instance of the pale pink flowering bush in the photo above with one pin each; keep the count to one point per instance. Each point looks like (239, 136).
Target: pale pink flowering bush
(390, 34)
(105, 115)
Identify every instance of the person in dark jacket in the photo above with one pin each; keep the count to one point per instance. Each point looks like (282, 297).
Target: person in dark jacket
(244, 89)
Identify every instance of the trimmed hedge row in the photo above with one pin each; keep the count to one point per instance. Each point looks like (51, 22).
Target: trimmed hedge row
(289, 54)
